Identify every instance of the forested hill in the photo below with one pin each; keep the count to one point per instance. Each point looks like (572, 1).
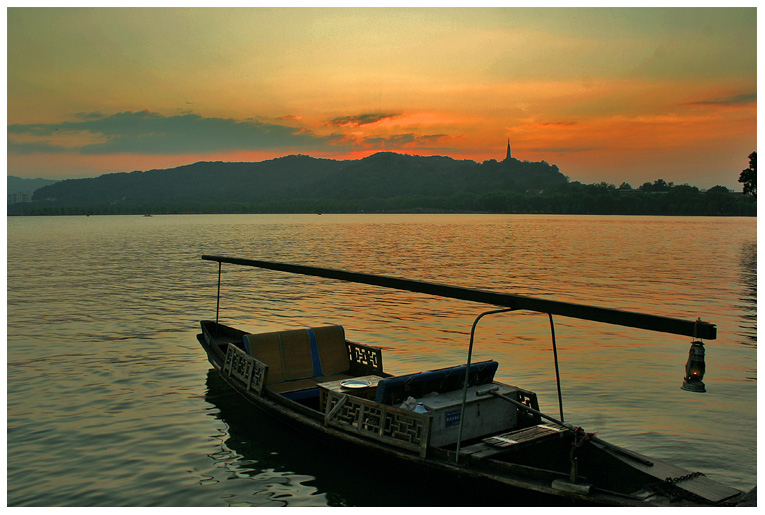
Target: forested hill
(382, 182)
(300, 183)
(19, 185)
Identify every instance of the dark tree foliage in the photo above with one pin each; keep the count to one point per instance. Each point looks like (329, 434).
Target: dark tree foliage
(749, 176)
(382, 182)
(658, 185)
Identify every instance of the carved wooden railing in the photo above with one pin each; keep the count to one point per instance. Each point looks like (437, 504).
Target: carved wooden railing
(365, 360)
(250, 371)
(395, 426)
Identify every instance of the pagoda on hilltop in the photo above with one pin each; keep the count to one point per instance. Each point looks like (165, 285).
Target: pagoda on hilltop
(508, 156)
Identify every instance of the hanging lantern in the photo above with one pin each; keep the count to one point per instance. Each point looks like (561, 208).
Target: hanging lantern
(695, 368)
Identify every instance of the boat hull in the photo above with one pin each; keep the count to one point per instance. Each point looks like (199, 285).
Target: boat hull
(491, 475)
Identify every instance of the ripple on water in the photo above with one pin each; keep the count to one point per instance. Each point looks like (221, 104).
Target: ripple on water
(110, 402)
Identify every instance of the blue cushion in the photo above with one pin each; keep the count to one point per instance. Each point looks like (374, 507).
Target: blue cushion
(394, 390)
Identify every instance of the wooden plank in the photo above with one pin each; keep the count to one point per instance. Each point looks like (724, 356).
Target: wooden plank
(520, 436)
(331, 414)
(506, 443)
(698, 485)
(708, 489)
(698, 329)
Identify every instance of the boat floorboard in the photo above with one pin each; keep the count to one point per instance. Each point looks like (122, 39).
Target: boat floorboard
(510, 441)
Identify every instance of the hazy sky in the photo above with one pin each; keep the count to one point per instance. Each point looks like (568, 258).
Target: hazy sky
(607, 94)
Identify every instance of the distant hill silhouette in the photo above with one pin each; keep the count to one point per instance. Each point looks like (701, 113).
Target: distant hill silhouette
(198, 182)
(298, 177)
(19, 185)
(382, 182)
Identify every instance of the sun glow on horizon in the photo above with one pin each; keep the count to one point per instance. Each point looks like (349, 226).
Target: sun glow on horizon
(607, 94)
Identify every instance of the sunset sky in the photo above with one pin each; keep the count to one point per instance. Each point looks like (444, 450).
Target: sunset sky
(607, 94)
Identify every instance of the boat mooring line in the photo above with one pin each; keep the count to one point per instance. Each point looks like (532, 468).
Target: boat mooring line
(663, 324)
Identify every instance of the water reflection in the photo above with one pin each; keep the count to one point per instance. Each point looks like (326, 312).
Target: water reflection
(748, 265)
(247, 471)
(111, 411)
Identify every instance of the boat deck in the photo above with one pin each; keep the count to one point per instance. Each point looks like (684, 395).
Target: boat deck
(500, 444)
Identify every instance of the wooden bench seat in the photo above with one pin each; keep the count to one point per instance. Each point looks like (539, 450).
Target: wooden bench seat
(299, 359)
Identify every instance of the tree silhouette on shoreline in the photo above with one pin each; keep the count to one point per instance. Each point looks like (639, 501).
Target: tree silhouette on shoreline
(749, 176)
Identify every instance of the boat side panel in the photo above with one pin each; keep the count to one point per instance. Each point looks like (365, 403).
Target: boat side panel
(402, 428)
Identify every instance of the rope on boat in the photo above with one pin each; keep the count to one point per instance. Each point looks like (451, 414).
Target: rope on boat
(581, 436)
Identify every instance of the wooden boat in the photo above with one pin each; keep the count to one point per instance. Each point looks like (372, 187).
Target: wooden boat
(456, 421)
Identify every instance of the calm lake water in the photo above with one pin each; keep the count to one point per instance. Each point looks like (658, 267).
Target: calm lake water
(111, 401)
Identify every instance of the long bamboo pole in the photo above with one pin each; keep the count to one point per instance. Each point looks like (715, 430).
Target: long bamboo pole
(695, 329)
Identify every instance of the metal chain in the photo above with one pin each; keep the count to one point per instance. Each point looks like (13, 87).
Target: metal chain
(674, 480)
(669, 489)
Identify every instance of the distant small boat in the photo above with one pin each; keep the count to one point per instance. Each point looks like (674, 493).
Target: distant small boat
(457, 421)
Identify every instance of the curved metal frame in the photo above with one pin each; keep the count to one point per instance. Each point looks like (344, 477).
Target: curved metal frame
(467, 371)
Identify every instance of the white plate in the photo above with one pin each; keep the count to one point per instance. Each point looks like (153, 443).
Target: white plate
(355, 383)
